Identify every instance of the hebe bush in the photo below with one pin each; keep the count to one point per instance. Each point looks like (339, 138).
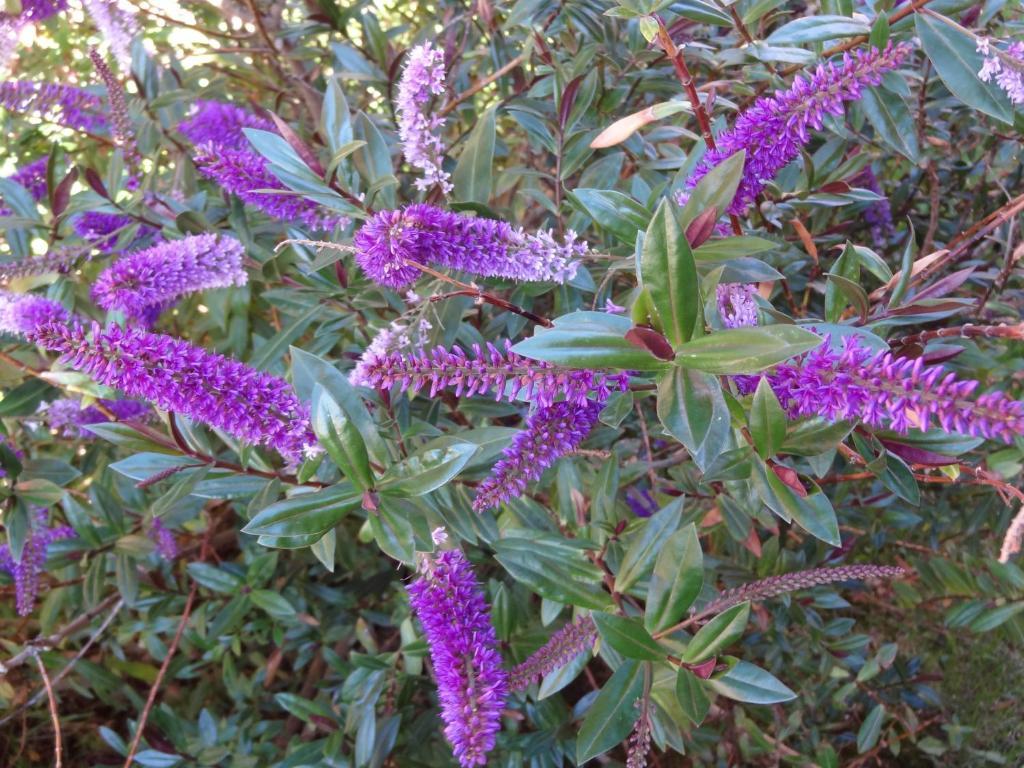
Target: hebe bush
(511, 383)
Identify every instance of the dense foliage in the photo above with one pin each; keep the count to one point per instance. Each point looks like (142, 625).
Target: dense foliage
(518, 383)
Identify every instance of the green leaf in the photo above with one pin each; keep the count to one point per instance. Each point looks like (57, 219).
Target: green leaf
(954, 54)
(692, 698)
(39, 492)
(816, 29)
(428, 469)
(553, 568)
(215, 579)
(373, 160)
(393, 532)
(613, 713)
(692, 409)
(749, 683)
(767, 421)
(24, 398)
(588, 340)
(335, 118)
(890, 117)
(306, 514)
(716, 189)
(273, 603)
(996, 617)
(813, 513)
(810, 437)
(719, 633)
(324, 548)
(670, 275)
(676, 581)
(729, 248)
(645, 544)
(745, 350)
(339, 436)
(472, 177)
(628, 637)
(870, 729)
(618, 213)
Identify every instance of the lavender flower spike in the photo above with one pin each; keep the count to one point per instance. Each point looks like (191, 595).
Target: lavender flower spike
(427, 235)
(33, 178)
(176, 376)
(736, 305)
(143, 283)
(422, 79)
(63, 104)
(217, 122)
(27, 570)
(564, 646)
(163, 537)
(775, 128)
(22, 313)
(67, 417)
(471, 682)
(506, 374)
(121, 124)
(550, 434)
(117, 23)
(882, 390)
(1005, 67)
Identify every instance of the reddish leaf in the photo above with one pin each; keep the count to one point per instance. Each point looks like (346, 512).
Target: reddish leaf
(93, 180)
(704, 669)
(946, 285)
(62, 194)
(834, 188)
(652, 341)
(341, 273)
(702, 227)
(916, 455)
(790, 478)
(300, 147)
(568, 99)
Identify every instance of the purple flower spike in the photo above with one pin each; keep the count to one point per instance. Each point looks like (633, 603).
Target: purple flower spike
(882, 390)
(176, 376)
(67, 417)
(26, 572)
(63, 104)
(1006, 68)
(22, 313)
(33, 178)
(564, 646)
(215, 122)
(163, 537)
(471, 682)
(776, 127)
(736, 305)
(427, 235)
(506, 374)
(102, 229)
(878, 214)
(422, 79)
(550, 434)
(143, 283)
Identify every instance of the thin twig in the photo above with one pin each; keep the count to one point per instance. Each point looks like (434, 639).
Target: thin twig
(58, 746)
(481, 84)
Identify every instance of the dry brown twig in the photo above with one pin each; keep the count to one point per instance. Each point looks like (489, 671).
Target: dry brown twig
(58, 746)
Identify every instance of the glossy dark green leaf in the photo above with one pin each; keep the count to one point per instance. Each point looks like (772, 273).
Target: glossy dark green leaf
(588, 340)
(553, 568)
(339, 436)
(628, 637)
(719, 633)
(748, 683)
(306, 514)
(428, 468)
(716, 190)
(24, 398)
(692, 409)
(870, 729)
(214, 578)
(809, 437)
(815, 29)
(670, 275)
(645, 544)
(692, 698)
(472, 177)
(613, 713)
(891, 118)
(393, 532)
(767, 420)
(745, 350)
(676, 581)
(618, 213)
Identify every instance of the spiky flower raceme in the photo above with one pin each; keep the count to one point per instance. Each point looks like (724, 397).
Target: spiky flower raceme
(163, 537)
(878, 214)
(102, 230)
(29, 568)
(550, 434)
(22, 313)
(68, 418)
(422, 79)
(177, 376)
(736, 305)
(144, 283)
(32, 177)
(393, 338)
(64, 104)
(506, 374)
(471, 682)
(1005, 67)
(223, 154)
(52, 261)
(424, 234)
(120, 122)
(117, 23)
(774, 586)
(776, 127)
(564, 646)
(879, 389)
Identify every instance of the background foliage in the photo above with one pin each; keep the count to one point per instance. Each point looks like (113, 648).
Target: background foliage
(296, 642)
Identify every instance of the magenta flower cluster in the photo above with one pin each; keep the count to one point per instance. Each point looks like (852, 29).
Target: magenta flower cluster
(26, 571)
(471, 681)
(551, 432)
(223, 154)
(422, 79)
(424, 234)
(22, 313)
(144, 283)
(63, 104)
(882, 390)
(68, 418)
(775, 128)
(506, 374)
(177, 376)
